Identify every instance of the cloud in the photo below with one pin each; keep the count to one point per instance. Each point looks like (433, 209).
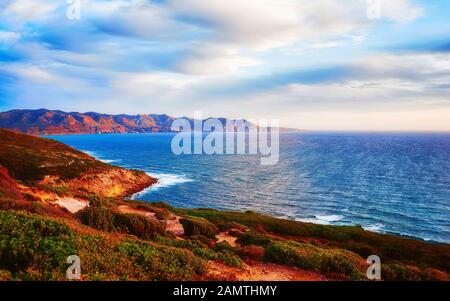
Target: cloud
(214, 59)
(253, 58)
(402, 11)
(26, 11)
(9, 37)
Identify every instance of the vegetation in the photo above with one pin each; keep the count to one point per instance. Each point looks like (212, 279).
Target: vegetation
(104, 219)
(199, 226)
(43, 157)
(35, 248)
(309, 257)
(37, 235)
(390, 248)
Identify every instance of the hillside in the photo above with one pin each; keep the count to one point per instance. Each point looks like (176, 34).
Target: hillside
(56, 201)
(38, 162)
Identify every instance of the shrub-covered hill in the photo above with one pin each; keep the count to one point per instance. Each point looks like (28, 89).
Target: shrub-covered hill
(33, 161)
(56, 201)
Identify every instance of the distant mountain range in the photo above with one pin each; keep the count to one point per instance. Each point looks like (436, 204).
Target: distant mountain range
(52, 122)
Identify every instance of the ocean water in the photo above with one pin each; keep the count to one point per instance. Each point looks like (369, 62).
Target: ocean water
(387, 182)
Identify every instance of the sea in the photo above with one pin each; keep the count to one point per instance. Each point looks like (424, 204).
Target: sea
(385, 182)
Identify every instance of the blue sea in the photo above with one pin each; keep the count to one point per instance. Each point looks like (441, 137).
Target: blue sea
(386, 182)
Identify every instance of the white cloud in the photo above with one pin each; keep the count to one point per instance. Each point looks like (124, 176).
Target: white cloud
(9, 37)
(402, 11)
(27, 10)
(215, 59)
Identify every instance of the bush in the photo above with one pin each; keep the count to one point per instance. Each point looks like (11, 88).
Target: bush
(205, 253)
(138, 225)
(97, 217)
(105, 219)
(5, 275)
(204, 240)
(287, 254)
(434, 275)
(253, 238)
(162, 214)
(225, 226)
(163, 263)
(399, 272)
(252, 253)
(224, 246)
(199, 226)
(230, 259)
(309, 257)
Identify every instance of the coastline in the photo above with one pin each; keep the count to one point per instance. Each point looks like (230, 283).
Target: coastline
(176, 243)
(143, 189)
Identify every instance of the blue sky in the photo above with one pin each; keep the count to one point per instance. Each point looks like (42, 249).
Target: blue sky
(311, 64)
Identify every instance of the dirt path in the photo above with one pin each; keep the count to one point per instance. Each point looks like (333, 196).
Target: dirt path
(262, 272)
(224, 236)
(128, 209)
(71, 204)
(172, 225)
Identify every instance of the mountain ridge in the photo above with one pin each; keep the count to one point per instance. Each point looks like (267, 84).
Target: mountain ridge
(53, 122)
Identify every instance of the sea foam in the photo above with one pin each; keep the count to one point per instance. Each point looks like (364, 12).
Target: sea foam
(164, 180)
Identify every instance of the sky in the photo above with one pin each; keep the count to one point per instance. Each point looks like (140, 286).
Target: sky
(317, 65)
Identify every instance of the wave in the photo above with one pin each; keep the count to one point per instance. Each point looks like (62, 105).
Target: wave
(96, 156)
(321, 219)
(374, 228)
(164, 180)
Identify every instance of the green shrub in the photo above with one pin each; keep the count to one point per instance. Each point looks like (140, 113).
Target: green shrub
(253, 238)
(97, 217)
(162, 214)
(177, 243)
(163, 263)
(104, 219)
(399, 272)
(230, 259)
(287, 254)
(138, 225)
(5, 275)
(309, 257)
(225, 226)
(34, 246)
(224, 246)
(205, 253)
(199, 226)
(204, 240)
